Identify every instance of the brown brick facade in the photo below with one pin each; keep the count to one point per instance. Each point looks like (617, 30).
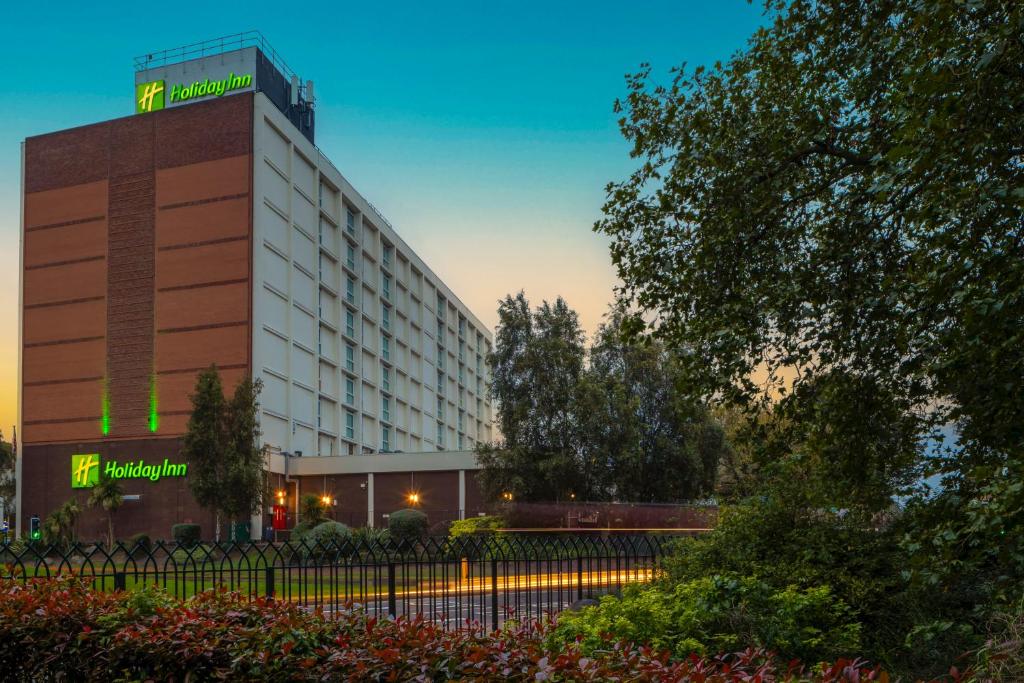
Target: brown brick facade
(136, 276)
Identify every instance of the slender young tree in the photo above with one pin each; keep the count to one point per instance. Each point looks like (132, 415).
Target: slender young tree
(204, 444)
(244, 489)
(108, 495)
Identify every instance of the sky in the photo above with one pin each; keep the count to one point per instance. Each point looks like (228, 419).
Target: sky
(483, 131)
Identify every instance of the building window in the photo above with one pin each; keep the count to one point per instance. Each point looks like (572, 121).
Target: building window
(460, 442)
(440, 381)
(385, 317)
(440, 407)
(350, 392)
(440, 307)
(440, 357)
(350, 425)
(462, 373)
(350, 256)
(350, 290)
(385, 287)
(350, 324)
(385, 439)
(440, 435)
(385, 378)
(385, 348)
(440, 331)
(350, 358)
(388, 249)
(350, 222)
(385, 408)
(461, 416)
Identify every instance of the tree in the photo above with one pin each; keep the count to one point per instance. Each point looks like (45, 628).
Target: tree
(616, 429)
(226, 466)
(245, 482)
(842, 201)
(107, 494)
(536, 366)
(8, 483)
(59, 526)
(660, 443)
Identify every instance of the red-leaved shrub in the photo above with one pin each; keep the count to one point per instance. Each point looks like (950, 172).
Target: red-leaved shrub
(61, 629)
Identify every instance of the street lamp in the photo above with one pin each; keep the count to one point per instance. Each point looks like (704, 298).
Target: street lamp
(413, 498)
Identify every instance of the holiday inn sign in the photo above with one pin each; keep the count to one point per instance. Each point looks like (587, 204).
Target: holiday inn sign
(85, 470)
(155, 95)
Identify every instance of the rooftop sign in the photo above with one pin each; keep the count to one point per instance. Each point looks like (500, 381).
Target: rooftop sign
(176, 84)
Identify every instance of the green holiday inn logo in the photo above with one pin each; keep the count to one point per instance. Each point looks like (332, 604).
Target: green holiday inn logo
(85, 470)
(154, 95)
(149, 97)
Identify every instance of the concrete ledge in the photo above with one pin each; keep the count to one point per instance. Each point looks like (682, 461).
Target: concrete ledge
(377, 463)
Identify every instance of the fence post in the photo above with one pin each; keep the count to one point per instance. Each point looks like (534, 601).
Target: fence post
(579, 577)
(494, 594)
(392, 606)
(119, 581)
(268, 591)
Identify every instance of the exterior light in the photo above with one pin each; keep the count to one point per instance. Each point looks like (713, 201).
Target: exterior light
(572, 496)
(507, 495)
(326, 500)
(413, 498)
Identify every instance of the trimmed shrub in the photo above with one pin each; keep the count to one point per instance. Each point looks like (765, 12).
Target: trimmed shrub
(186, 535)
(476, 525)
(720, 613)
(407, 525)
(326, 539)
(299, 531)
(138, 545)
(370, 536)
(60, 629)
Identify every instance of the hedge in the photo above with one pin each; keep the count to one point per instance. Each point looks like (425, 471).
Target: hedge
(60, 629)
(407, 525)
(186, 534)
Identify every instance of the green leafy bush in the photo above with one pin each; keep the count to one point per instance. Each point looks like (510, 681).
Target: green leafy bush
(60, 629)
(186, 535)
(475, 525)
(300, 531)
(407, 526)
(138, 545)
(371, 536)
(326, 540)
(720, 613)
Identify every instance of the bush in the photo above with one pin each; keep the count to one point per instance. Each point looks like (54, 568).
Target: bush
(407, 526)
(311, 510)
(60, 629)
(138, 545)
(326, 540)
(372, 537)
(475, 525)
(299, 531)
(720, 613)
(186, 535)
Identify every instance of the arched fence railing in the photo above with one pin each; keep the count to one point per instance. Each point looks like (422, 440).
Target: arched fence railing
(456, 581)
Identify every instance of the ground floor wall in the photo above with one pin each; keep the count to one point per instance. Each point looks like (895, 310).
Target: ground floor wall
(154, 506)
(151, 507)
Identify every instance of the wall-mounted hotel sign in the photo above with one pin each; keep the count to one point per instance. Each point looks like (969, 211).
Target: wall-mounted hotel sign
(85, 470)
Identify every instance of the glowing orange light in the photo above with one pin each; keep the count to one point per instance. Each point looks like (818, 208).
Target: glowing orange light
(507, 495)
(413, 498)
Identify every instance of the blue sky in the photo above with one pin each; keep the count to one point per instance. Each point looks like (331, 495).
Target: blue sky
(484, 131)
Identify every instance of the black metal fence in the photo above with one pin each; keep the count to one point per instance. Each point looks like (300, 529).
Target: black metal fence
(481, 579)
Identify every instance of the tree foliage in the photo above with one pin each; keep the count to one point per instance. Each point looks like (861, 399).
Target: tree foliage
(829, 226)
(842, 201)
(221, 446)
(615, 427)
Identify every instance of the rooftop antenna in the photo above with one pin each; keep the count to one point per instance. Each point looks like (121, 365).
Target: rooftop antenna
(309, 93)
(295, 90)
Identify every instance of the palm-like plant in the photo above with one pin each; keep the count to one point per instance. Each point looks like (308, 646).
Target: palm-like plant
(107, 494)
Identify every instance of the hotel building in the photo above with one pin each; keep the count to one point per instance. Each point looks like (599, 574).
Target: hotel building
(208, 228)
